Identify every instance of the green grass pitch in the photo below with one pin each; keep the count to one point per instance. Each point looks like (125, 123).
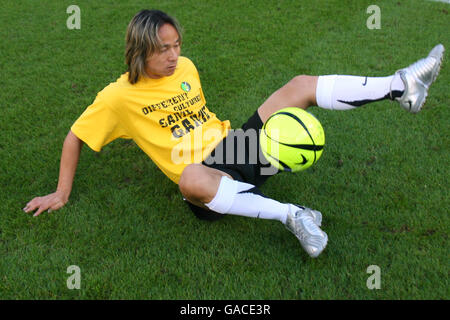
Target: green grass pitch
(381, 184)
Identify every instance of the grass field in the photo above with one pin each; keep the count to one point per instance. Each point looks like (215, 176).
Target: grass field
(381, 184)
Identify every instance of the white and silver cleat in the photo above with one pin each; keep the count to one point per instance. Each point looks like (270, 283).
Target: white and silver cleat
(302, 224)
(317, 215)
(418, 77)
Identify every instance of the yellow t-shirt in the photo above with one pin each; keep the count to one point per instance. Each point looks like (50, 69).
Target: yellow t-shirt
(167, 118)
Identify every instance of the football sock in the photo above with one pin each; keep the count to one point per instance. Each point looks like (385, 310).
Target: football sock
(243, 199)
(339, 92)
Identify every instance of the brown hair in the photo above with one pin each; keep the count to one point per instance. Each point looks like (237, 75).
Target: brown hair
(142, 40)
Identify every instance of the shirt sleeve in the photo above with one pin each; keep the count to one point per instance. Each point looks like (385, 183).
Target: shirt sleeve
(98, 125)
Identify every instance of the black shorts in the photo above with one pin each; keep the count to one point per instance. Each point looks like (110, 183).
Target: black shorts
(239, 155)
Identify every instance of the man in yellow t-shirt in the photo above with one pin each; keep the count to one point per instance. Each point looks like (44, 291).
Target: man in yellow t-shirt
(159, 104)
(163, 116)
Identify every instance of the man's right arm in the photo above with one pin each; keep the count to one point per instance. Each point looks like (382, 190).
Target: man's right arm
(69, 161)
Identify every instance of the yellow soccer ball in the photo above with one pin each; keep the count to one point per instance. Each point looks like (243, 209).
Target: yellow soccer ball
(292, 139)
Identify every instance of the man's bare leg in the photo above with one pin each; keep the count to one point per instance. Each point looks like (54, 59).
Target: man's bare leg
(299, 92)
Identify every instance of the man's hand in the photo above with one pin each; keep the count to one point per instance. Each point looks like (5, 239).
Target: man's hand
(69, 161)
(50, 202)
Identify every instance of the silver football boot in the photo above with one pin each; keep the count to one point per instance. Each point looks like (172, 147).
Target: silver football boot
(301, 223)
(418, 77)
(317, 215)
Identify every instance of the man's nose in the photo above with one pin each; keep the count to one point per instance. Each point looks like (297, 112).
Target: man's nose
(173, 54)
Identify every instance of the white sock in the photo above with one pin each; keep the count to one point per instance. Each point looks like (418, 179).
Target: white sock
(338, 92)
(243, 199)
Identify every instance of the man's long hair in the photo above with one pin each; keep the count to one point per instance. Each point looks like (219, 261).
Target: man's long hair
(142, 40)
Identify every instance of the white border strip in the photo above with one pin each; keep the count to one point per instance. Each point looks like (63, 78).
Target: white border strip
(444, 1)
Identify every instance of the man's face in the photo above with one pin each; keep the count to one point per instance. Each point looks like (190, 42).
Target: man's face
(163, 63)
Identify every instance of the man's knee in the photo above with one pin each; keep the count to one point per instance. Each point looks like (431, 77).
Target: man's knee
(188, 180)
(197, 184)
(301, 81)
(193, 183)
(305, 86)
